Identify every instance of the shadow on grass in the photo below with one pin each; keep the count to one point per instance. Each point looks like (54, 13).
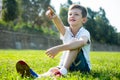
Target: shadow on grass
(105, 75)
(97, 75)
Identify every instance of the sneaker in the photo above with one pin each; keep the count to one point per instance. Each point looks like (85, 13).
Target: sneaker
(58, 74)
(24, 70)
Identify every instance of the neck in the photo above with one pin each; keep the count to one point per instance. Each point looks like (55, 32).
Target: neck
(74, 30)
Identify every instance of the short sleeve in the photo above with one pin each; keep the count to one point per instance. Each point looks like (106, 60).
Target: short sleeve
(86, 33)
(62, 37)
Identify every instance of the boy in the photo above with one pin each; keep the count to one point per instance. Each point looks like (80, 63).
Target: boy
(76, 42)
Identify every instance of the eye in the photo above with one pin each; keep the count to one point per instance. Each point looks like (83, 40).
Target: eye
(76, 14)
(70, 14)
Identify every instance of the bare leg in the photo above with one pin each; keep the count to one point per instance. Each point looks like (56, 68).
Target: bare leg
(70, 57)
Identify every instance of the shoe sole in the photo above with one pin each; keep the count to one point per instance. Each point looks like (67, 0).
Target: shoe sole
(23, 69)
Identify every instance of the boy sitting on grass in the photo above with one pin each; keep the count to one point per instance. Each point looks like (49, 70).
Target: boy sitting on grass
(75, 47)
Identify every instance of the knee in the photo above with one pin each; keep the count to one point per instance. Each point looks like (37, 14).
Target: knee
(74, 51)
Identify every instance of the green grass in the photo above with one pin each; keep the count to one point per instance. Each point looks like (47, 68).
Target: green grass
(105, 65)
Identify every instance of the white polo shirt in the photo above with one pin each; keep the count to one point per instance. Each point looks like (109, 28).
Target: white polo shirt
(68, 38)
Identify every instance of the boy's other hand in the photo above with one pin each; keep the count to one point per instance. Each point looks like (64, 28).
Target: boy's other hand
(52, 52)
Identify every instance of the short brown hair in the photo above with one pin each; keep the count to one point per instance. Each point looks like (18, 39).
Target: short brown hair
(83, 9)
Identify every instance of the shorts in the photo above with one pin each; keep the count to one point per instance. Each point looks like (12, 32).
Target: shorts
(80, 63)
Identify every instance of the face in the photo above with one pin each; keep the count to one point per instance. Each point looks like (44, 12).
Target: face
(75, 17)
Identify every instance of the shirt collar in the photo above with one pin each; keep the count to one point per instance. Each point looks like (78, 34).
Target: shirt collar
(77, 32)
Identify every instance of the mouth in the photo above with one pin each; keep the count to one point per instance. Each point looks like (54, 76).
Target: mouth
(72, 20)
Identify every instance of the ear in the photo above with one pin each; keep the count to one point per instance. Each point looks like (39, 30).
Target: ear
(84, 20)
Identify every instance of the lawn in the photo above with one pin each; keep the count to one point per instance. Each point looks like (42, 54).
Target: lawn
(105, 65)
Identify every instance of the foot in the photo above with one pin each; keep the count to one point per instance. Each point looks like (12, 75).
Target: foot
(51, 73)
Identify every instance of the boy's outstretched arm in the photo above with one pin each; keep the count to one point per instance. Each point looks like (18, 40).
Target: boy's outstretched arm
(56, 20)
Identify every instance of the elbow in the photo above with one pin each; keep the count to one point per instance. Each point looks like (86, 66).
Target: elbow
(82, 43)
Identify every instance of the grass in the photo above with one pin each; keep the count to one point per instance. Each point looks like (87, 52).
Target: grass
(105, 65)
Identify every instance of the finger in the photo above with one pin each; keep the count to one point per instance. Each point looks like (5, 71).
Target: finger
(47, 51)
(51, 10)
(48, 54)
(51, 56)
(48, 13)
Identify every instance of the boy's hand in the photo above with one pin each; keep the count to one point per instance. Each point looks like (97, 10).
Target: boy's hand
(50, 13)
(52, 52)
(56, 20)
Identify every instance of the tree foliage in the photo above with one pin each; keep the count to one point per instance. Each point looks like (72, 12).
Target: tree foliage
(97, 24)
(63, 11)
(33, 11)
(29, 15)
(9, 10)
(100, 28)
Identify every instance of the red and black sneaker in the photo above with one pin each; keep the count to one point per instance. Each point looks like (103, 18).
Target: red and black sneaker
(24, 70)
